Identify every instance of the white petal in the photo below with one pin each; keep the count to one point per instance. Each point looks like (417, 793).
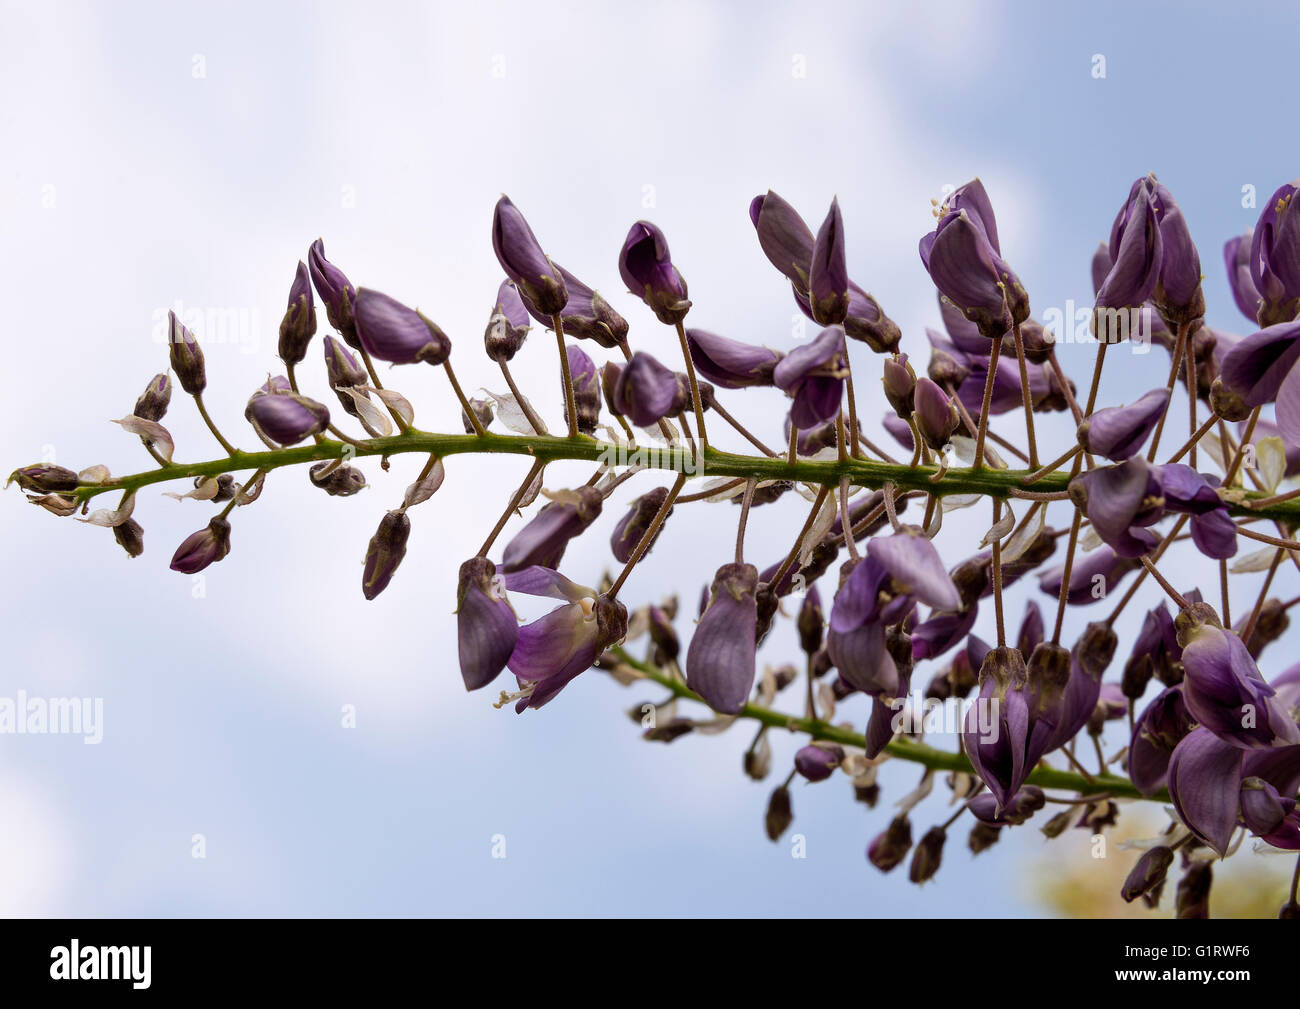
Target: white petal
(373, 419)
(817, 531)
(95, 474)
(1270, 461)
(1259, 560)
(110, 517)
(512, 414)
(396, 402)
(151, 433)
(999, 529)
(1020, 542)
(205, 491)
(424, 489)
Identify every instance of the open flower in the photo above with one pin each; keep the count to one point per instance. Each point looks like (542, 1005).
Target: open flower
(551, 652)
(720, 659)
(647, 269)
(1236, 257)
(1275, 257)
(486, 625)
(813, 376)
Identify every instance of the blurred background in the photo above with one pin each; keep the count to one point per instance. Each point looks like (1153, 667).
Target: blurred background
(163, 157)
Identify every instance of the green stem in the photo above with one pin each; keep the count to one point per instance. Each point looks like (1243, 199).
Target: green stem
(825, 473)
(902, 748)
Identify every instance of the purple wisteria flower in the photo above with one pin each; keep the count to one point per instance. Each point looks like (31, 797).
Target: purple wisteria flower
(828, 276)
(647, 269)
(486, 625)
(284, 417)
(207, 546)
(1156, 734)
(542, 542)
(539, 281)
(1177, 293)
(1236, 257)
(1136, 250)
(335, 290)
(1118, 432)
(720, 659)
(817, 761)
(554, 650)
(645, 391)
(1275, 257)
(585, 381)
(813, 376)
(789, 245)
(586, 315)
(186, 356)
(636, 523)
(964, 259)
(1092, 576)
(1261, 369)
(299, 323)
(729, 363)
(390, 331)
(508, 325)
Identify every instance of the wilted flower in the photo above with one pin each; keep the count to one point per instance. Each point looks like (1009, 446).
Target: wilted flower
(337, 481)
(130, 537)
(45, 479)
(888, 849)
(586, 388)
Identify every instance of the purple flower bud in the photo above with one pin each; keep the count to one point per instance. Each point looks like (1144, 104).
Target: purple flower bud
(1027, 801)
(385, 552)
(508, 325)
(720, 659)
(647, 270)
(997, 731)
(1236, 257)
(1156, 652)
(928, 855)
(1157, 733)
(587, 316)
(813, 376)
(1192, 899)
(810, 623)
(664, 635)
(645, 390)
(335, 290)
(542, 542)
(785, 238)
(299, 323)
(286, 418)
(899, 381)
(1177, 293)
(152, 403)
(1275, 257)
(186, 357)
(634, 525)
(936, 414)
(392, 332)
(1223, 688)
(779, 815)
(963, 259)
(1136, 248)
(539, 281)
(130, 537)
(1260, 369)
(867, 322)
(586, 388)
(828, 279)
(1269, 815)
(899, 429)
(730, 363)
(1118, 432)
(44, 479)
(1148, 874)
(337, 481)
(207, 546)
(486, 626)
(1119, 498)
(817, 761)
(1092, 576)
(888, 849)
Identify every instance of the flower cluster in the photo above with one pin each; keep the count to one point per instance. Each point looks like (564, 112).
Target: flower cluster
(1215, 736)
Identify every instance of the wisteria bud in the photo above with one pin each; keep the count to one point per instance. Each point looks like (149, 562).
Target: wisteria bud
(285, 418)
(152, 403)
(337, 481)
(390, 331)
(207, 546)
(811, 622)
(130, 536)
(1148, 874)
(299, 323)
(508, 325)
(928, 855)
(899, 381)
(586, 388)
(186, 357)
(385, 552)
(817, 761)
(664, 635)
(779, 814)
(891, 847)
(1226, 403)
(982, 837)
(936, 414)
(1058, 824)
(636, 523)
(43, 479)
(648, 271)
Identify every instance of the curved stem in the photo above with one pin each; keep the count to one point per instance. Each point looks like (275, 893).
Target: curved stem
(203, 412)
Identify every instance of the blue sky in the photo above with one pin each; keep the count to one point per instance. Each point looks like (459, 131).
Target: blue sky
(158, 154)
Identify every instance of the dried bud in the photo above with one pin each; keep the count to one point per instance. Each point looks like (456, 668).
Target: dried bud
(891, 847)
(337, 481)
(482, 410)
(186, 357)
(508, 326)
(385, 552)
(152, 404)
(779, 815)
(130, 536)
(42, 479)
(928, 855)
(225, 487)
(758, 758)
